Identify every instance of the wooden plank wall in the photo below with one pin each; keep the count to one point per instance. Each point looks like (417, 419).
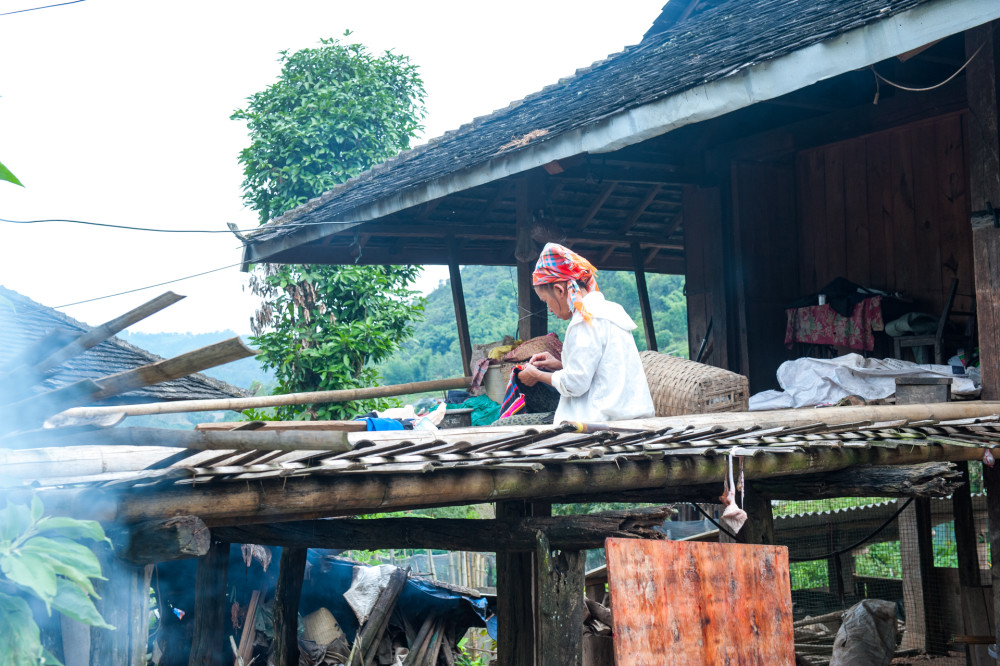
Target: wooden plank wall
(766, 264)
(889, 210)
(704, 275)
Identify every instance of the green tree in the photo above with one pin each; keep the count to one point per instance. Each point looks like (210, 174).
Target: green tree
(335, 111)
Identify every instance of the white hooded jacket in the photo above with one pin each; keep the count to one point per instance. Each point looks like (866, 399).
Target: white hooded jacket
(602, 377)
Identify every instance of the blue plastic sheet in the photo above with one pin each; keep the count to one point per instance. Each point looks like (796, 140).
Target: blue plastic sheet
(330, 578)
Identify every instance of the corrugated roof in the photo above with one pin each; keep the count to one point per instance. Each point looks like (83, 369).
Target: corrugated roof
(711, 45)
(24, 322)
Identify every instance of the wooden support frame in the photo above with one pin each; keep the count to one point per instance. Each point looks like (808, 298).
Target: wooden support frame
(458, 298)
(515, 612)
(291, 571)
(532, 315)
(991, 482)
(209, 645)
(561, 580)
(577, 532)
(644, 306)
(919, 590)
(124, 604)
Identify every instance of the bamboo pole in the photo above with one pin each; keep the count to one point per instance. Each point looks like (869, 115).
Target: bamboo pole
(235, 440)
(943, 411)
(258, 402)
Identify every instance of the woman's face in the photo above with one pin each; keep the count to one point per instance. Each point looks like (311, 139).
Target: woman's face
(554, 296)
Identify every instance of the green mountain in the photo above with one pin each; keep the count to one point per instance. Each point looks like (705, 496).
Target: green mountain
(491, 304)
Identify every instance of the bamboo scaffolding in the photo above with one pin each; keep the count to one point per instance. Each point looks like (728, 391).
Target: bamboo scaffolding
(272, 499)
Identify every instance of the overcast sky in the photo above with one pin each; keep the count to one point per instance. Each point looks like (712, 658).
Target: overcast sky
(118, 111)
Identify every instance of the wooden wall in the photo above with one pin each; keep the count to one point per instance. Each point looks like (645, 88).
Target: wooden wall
(889, 210)
(767, 264)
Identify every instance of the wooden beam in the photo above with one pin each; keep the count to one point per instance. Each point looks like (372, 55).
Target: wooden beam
(461, 317)
(154, 541)
(124, 604)
(532, 313)
(644, 306)
(983, 90)
(982, 85)
(634, 216)
(991, 483)
(559, 640)
(322, 496)
(293, 426)
(919, 589)
(515, 613)
(602, 197)
(577, 532)
(207, 357)
(287, 593)
(209, 644)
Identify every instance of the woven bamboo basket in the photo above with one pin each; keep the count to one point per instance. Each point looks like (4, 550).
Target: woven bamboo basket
(680, 386)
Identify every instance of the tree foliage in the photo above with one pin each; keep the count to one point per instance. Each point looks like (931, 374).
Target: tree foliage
(335, 111)
(40, 557)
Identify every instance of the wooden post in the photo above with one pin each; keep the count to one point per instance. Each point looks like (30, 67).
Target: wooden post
(639, 266)
(975, 613)
(124, 604)
(515, 616)
(759, 526)
(983, 91)
(919, 587)
(461, 318)
(209, 646)
(991, 482)
(560, 605)
(286, 606)
(532, 314)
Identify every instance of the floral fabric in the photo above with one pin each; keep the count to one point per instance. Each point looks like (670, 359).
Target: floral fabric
(821, 325)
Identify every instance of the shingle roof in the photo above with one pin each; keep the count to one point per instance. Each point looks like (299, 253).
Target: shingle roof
(23, 322)
(711, 45)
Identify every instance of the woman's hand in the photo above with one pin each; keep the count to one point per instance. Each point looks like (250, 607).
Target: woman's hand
(529, 375)
(546, 361)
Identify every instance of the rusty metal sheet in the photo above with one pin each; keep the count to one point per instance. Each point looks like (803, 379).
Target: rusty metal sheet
(692, 604)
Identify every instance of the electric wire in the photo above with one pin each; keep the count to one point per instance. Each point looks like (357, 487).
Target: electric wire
(879, 77)
(32, 9)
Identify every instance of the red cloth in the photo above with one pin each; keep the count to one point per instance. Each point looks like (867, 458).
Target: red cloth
(821, 325)
(558, 263)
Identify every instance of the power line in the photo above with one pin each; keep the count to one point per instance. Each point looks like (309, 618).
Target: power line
(152, 286)
(21, 11)
(127, 227)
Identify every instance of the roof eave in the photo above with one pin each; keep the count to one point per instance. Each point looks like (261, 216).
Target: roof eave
(743, 87)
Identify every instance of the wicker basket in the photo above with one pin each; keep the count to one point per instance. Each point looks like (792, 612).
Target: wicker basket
(680, 386)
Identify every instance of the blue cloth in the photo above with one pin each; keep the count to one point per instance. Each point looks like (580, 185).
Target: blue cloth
(372, 423)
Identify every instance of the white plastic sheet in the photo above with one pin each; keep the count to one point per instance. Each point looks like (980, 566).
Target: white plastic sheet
(867, 636)
(818, 381)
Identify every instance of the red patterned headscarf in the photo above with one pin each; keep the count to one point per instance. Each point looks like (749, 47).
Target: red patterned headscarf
(561, 264)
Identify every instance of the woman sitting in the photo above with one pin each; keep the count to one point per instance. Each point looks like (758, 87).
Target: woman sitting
(600, 376)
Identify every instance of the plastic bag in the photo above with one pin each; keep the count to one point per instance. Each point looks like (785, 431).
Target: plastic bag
(867, 635)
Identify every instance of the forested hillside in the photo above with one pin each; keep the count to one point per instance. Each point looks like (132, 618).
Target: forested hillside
(491, 301)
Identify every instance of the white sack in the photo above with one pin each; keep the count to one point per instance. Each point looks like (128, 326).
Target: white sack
(366, 584)
(819, 381)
